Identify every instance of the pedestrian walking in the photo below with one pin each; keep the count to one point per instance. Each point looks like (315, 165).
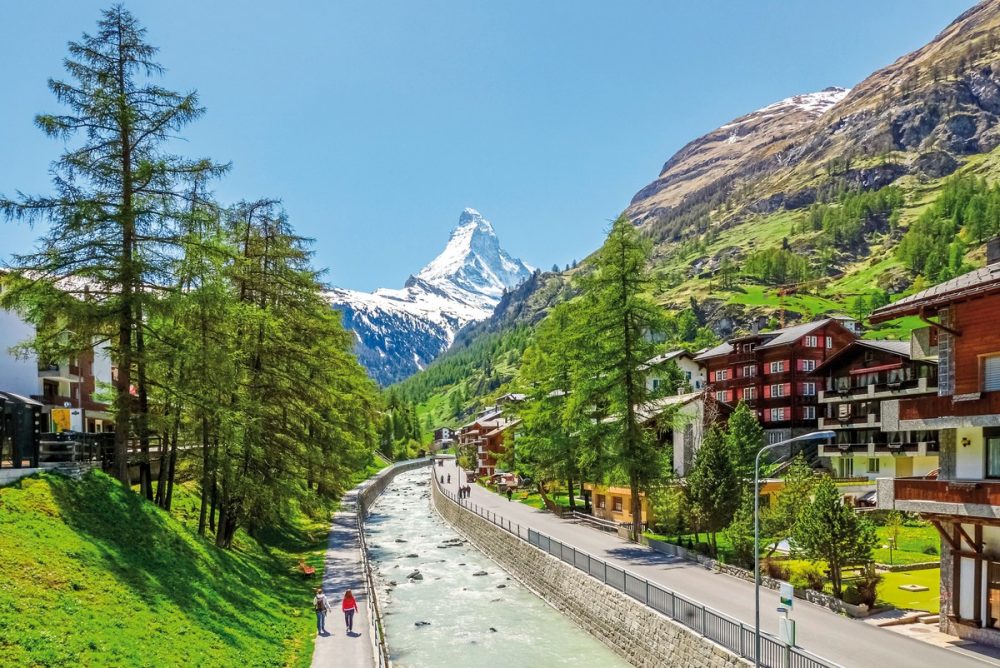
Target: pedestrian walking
(510, 493)
(349, 606)
(321, 606)
(449, 478)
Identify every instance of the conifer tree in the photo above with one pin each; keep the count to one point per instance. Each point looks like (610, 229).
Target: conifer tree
(617, 319)
(111, 224)
(712, 485)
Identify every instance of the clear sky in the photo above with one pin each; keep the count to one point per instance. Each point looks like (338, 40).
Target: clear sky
(378, 122)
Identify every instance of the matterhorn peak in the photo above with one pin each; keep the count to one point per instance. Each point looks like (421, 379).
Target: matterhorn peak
(401, 331)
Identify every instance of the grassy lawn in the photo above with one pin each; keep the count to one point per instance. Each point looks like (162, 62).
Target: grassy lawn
(93, 575)
(930, 600)
(912, 543)
(534, 499)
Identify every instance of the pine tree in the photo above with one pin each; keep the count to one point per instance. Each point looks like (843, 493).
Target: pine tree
(744, 437)
(830, 530)
(112, 218)
(712, 486)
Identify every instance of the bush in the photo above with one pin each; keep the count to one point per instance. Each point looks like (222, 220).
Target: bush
(867, 586)
(808, 576)
(930, 549)
(775, 569)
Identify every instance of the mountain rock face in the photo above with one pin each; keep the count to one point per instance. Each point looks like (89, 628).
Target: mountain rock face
(399, 332)
(920, 115)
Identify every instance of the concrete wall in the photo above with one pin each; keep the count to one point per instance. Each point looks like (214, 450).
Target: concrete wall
(375, 486)
(19, 376)
(637, 633)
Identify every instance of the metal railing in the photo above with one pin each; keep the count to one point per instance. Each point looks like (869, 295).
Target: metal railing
(732, 634)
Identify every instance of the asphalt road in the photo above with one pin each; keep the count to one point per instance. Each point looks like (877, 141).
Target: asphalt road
(840, 639)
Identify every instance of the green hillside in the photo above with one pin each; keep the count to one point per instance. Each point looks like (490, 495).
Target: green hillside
(93, 575)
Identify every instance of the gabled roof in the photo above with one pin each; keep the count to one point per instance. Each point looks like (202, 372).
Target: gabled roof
(778, 337)
(794, 333)
(975, 283)
(900, 348)
(666, 357)
(721, 349)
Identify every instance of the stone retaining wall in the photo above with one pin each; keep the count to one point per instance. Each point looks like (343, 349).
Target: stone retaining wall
(639, 634)
(370, 492)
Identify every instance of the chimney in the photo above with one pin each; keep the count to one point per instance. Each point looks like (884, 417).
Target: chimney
(993, 251)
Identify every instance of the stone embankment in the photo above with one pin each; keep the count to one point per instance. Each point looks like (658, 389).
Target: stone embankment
(637, 633)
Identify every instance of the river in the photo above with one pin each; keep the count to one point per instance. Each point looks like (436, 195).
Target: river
(452, 616)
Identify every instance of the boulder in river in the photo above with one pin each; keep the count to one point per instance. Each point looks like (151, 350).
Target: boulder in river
(421, 623)
(415, 575)
(479, 573)
(412, 555)
(501, 586)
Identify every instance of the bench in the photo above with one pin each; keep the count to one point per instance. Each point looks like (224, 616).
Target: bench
(306, 569)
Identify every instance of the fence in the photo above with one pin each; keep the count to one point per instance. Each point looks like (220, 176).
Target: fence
(717, 627)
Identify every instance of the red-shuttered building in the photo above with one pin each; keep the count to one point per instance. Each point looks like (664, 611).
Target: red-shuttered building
(771, 372)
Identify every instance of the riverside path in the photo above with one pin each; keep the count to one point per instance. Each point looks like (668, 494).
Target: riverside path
(343, 570)
(845, 641)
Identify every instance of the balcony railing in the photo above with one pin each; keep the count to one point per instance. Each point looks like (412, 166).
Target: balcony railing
(55, 400)
(965, 492)
(912, 448)
(931, 407)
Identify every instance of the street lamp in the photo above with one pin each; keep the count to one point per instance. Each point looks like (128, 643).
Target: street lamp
(811, 436)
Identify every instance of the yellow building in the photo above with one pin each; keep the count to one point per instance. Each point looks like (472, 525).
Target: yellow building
(615, 503)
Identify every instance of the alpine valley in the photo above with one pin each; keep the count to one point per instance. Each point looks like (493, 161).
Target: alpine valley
(399, 332)
(822, 203)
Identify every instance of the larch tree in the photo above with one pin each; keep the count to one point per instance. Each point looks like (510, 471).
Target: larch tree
(101, 262)
(744, 437)
(617, 322)
(546, 444)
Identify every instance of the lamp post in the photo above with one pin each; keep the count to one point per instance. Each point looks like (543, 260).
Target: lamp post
(811, 436)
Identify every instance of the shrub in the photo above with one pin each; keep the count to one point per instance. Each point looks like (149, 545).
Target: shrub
(867, 586)
(930, 549)
(808, 576)
(775, 569)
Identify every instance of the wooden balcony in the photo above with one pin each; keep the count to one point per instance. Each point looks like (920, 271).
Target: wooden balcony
(916, 449)
(949, 412)
(963, 498)
(55, 400)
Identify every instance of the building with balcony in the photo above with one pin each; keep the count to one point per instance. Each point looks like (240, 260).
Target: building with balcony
(963, 499)
(484, 437)
(692, 372)
(861, 387)
(772, 373)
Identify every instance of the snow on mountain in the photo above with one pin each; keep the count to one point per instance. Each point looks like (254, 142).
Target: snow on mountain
(400, 331)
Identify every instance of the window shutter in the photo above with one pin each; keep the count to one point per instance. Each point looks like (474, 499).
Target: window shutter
(788, 389)
(991, 374)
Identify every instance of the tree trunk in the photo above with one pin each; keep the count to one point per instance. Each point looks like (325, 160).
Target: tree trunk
(205, 474)
(145, 470)
(172, 470)
(572, 500)
(636, 506)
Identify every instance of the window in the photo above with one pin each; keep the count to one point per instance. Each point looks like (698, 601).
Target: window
(721, 374)
(873, 465)
(808, 365)
(829, 342)
(656, 383)
(809, 389)
(749, 393)
(845, 466)
(777, 414)
(720, 395)
(777, 367)
(991, 373)
(992, 437)
(778, 390)
(776, 436)
(812, 342)
(749, 371)
(808, 412)
(617, 501)
(600, 501)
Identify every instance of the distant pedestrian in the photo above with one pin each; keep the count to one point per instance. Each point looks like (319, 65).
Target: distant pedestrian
(349, 606)
(510, 493)
(449, 478)
(321, 606)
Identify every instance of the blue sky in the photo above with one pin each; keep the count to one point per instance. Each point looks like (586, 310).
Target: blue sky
(378, 122)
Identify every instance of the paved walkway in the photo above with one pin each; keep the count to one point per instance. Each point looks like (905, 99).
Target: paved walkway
(343, 571)
(843, 640)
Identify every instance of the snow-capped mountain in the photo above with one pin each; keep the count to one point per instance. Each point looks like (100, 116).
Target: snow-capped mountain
(400, 331)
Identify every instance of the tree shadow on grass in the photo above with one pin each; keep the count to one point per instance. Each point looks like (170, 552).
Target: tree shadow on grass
(152, 555)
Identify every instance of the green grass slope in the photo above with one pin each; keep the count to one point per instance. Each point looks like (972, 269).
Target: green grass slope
(92, 575)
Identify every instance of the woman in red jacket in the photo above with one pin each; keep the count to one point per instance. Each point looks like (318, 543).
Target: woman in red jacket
(349, 606)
